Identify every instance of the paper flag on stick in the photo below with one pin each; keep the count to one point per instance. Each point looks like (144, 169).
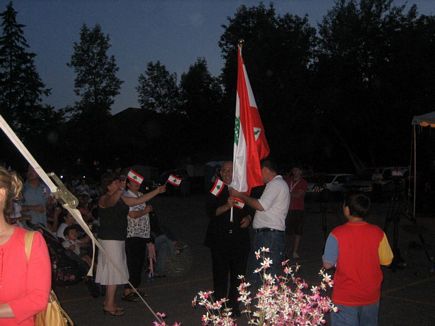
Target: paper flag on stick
(238, 203)
(174, 180)
(217, 188)
(134, 177)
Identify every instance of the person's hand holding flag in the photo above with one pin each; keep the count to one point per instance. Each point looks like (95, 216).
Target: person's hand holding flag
(161, 189)
(235, 193)
(234, 201)
(230, 201)
(253, 202)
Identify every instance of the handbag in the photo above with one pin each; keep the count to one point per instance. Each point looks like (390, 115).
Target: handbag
(53, 315)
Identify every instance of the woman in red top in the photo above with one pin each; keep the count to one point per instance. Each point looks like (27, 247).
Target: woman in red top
(24, 283)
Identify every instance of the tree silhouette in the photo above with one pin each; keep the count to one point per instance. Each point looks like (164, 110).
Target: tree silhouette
(96, 81)
(21, 87)
(369, 74)
(201, 95)
(157, 89)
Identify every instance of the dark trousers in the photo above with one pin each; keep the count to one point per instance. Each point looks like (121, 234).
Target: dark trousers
(229, 260)
(135, 250)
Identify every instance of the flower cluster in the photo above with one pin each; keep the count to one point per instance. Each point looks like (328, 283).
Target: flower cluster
(281, 300)
(217, 313)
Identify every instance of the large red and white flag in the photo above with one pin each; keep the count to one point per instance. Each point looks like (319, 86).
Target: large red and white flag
(250, 143)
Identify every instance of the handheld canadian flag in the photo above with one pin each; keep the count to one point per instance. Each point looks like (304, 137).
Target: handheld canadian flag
(217, 188)
(134, 177)
(250, 144)
(238, 203)
(174, 180)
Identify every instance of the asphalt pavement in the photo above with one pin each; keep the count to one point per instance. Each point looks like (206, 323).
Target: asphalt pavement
(408, 293)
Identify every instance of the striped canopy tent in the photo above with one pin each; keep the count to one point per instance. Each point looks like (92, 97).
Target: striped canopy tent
(424, 120)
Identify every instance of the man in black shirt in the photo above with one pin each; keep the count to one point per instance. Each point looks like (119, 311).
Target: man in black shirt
(228, 240)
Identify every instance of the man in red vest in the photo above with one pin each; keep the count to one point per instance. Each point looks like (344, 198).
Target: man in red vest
(295, 217)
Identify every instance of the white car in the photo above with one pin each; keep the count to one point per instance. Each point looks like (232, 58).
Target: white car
(333, 182)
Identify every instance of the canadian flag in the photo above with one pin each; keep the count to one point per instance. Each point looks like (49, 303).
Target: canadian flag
(217, 188)
(250, 144)
(134, 177)
(174, 180)
(238, 203)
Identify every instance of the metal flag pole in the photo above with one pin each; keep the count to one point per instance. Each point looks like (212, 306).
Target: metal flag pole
(414, 203)
(68, 201)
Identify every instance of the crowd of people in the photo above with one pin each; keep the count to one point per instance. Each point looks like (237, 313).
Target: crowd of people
(118, 215)
(240, 224)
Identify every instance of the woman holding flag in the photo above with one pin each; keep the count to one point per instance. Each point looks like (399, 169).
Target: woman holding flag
(113, 208)
(138, 240)
(227, 237)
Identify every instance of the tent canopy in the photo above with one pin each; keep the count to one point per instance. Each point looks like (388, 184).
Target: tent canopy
(424, 120)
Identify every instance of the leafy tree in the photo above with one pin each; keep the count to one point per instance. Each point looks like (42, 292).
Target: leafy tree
(96, 81)
(371, 72)
(202, 102)
(158, 90)
(200, 91)
(21, 87)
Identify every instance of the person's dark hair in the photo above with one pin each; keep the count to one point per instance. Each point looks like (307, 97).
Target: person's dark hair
(68, 229)
(270, 164)
(358, 203)
(107, 178)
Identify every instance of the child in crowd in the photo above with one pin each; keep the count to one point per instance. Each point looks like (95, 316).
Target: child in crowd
(72, 243)
(356, 249)
(68, 221)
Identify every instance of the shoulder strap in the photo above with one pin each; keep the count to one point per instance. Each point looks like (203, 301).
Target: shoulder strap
(28, 240)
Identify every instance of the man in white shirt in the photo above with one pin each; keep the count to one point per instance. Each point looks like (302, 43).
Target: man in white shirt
(271, 211)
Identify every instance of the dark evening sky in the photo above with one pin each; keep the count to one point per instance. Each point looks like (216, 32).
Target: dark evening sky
(175, 32)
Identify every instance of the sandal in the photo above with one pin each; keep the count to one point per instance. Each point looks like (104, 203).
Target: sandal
(117, 308)
(131, 297)
(114, 313)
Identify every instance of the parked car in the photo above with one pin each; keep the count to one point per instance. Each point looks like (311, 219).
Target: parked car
(363, 182)
(331, 185)
(376, 181)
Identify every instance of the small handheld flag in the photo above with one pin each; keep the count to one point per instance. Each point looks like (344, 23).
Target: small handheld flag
(238, 203)
(217, 188)
(174, 180)
(134, 177)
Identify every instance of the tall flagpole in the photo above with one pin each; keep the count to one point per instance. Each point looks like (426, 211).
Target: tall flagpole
(239, 46)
